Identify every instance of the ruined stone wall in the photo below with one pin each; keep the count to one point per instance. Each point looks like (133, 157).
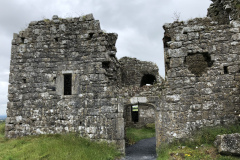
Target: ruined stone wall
(65, 77)
(224, 11)
(202, 62)
(138, 73)
(41, 57)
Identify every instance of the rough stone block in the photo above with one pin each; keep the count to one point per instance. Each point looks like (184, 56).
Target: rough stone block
(228, 144)
(176, 53)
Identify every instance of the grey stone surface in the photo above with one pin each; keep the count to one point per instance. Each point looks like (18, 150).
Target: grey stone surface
(228, 144)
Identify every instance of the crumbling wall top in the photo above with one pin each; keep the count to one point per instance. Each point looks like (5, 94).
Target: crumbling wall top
(224, 11)
(138, 73)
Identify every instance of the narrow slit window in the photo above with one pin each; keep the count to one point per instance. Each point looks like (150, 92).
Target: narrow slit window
(225, 69)
(54, 79)
(68, 84)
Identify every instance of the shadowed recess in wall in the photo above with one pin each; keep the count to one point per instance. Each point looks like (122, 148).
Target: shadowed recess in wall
(147, 79)
(198, 63)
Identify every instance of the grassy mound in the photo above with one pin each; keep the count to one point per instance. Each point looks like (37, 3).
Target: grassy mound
(68, 146)
(200, 147)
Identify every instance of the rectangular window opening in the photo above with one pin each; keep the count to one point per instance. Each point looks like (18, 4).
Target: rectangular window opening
(135, 113)
(67, 84)
(225, 69)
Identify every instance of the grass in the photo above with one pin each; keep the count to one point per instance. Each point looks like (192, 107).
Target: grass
(134, 135)
(51, 147)
(200, 147)
(2, 129)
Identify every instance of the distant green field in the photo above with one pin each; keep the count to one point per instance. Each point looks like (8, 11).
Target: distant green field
(54, 147)
(3, 117)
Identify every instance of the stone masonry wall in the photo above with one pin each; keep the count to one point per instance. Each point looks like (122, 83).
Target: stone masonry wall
(41, 57)
(224, 11)
(133, 71)
(202, 62)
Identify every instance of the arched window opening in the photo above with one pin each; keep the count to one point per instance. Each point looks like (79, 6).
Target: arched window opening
(147, 79)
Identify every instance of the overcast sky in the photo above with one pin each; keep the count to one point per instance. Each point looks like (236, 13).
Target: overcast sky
(138, 24)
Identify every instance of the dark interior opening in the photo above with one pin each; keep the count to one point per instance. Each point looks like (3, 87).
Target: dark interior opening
(134, 113)
(148, 79)
(167, 63)
(67, 84)
(54, 79)
(24, 80)
(90, 35)
(106, 65)
(225, 69)
(166, 39)
(22, 39)
(56, 39)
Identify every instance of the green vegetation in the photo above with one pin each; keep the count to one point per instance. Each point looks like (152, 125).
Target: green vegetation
(51, 147)
(134, 135)
(135, 108)
(200, 147)
(238, 6)
(2, 130)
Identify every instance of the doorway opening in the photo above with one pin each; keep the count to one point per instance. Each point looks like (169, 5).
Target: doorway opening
(139, 123)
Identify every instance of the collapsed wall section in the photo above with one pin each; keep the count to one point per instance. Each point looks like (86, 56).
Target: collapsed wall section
(202, 62)
(63, 76)
(224, 11)
(138, 73)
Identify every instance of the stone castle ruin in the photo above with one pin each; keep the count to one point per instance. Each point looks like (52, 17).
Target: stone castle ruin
(65, 77)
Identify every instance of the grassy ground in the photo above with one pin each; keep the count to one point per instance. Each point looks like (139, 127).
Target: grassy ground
(51, 147)
(201, 147)
(134, 135)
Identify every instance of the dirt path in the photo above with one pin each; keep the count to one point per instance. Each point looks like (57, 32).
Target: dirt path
(142, 150)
